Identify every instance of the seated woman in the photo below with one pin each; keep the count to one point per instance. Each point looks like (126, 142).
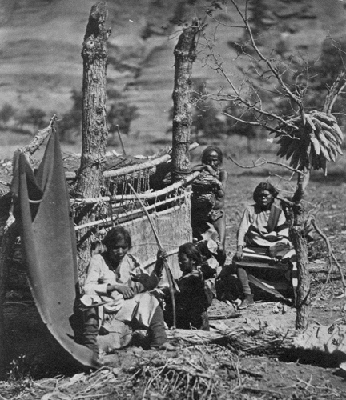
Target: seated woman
(193, 297)
(118, 284)
(208, 196)
(263, 230)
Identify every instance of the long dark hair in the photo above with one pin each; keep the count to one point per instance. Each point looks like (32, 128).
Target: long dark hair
(209, 150)
(191, 251)
(113, 236)
(264, 186)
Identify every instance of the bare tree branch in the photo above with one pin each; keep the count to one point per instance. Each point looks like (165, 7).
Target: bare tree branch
(40, 137)
(330, 255)
(238, 96)
(263, 161)
(257, 123)
(334, 91)
(274, 70)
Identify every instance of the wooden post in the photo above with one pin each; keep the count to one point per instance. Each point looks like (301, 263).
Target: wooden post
(182, 116)
(301, 246)
(94, 126)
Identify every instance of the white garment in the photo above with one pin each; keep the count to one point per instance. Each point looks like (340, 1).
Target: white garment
(141, 307)
(253, 229)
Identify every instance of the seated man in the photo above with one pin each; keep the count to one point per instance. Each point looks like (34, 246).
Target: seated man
(263, 232)
(120, 288)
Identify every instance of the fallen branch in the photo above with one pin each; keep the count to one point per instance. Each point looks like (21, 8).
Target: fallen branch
(196, 336)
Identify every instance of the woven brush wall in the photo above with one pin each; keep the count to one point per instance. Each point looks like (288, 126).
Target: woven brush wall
(174, 229)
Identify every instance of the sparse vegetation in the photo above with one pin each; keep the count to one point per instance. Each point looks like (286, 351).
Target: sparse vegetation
(33, 117)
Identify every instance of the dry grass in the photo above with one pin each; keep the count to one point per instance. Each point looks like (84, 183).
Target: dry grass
(195, 372)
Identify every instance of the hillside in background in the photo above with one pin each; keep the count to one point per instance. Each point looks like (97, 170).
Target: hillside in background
(41, 43)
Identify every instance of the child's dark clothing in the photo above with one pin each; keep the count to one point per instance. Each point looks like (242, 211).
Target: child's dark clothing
(192, 301)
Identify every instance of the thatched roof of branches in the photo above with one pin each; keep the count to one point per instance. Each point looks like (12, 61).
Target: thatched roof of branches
(115, 164)
(113, 161)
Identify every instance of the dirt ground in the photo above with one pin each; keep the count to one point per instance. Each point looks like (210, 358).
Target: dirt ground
(252, 362)
(252, 359)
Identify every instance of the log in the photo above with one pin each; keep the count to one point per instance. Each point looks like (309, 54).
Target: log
(185, 55)
(94, 124)
(151, 163)
(137, 167)
(147, 164)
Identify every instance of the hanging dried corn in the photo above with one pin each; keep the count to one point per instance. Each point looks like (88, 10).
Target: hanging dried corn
(313, 142)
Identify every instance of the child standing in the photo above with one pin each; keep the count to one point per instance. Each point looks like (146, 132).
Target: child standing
(208, 197)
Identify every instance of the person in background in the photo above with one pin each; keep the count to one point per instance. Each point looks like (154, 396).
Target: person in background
(263, 230)
(121, 287)
(208, 197)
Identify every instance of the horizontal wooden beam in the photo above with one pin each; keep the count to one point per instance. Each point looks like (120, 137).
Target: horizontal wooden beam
(144, 196)
(116, 217)
(134, 168)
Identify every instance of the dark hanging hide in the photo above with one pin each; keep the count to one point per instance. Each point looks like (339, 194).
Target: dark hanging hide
(49, 246)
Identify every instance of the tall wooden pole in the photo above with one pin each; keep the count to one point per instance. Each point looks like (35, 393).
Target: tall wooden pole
(294, 212)
(94, 126)
(301, 246)
(185, 55)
